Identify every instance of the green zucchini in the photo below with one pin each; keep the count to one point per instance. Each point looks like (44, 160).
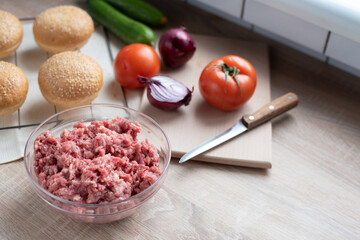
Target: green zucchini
(126, 29)
(140, 11)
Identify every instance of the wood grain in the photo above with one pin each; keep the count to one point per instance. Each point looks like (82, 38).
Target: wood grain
(270, 110)
(311, 192)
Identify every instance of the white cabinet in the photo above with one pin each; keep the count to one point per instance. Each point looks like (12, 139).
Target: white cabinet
(344, 50)
(232, 7)
(285, 25)
(228, 9)
(326, 30)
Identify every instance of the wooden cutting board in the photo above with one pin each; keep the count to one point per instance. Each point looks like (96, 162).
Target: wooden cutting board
(189, 126)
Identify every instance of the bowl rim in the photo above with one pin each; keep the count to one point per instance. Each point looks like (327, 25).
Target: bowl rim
(37, 185)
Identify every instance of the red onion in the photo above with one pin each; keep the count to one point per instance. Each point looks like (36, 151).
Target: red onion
(166, 93)
(176, 47)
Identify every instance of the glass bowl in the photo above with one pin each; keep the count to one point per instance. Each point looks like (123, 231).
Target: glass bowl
(103, 212)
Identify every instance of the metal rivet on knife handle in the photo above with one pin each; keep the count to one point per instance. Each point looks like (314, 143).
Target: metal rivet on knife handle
(271, 110)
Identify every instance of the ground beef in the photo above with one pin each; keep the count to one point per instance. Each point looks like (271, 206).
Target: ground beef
(99, 163)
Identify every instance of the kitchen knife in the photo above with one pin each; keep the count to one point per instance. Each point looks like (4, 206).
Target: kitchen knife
(246, 123)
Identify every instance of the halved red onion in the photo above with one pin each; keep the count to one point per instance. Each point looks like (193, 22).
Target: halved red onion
(166, 93)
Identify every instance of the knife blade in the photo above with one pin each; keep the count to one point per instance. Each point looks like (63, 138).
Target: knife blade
(246, 123)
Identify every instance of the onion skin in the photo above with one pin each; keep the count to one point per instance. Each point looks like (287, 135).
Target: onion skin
(166, 93)
(167, 106)
(176, 47)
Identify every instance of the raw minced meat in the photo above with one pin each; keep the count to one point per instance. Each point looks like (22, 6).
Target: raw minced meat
(99, 163)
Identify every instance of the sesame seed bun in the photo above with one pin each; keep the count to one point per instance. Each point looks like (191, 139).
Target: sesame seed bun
(70, 79)
(13, 88)
(62, 28)
(11, 33)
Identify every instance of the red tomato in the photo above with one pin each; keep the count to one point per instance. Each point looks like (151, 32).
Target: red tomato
(133, 60)
(231, 93)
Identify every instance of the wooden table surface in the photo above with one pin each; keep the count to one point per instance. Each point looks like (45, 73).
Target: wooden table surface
(311, 192)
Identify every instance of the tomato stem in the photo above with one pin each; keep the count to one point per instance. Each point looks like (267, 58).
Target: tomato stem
(232, 71)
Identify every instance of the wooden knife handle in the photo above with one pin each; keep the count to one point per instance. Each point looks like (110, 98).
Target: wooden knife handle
(271, 110)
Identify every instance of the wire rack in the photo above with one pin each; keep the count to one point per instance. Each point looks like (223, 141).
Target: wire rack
(16, 127)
